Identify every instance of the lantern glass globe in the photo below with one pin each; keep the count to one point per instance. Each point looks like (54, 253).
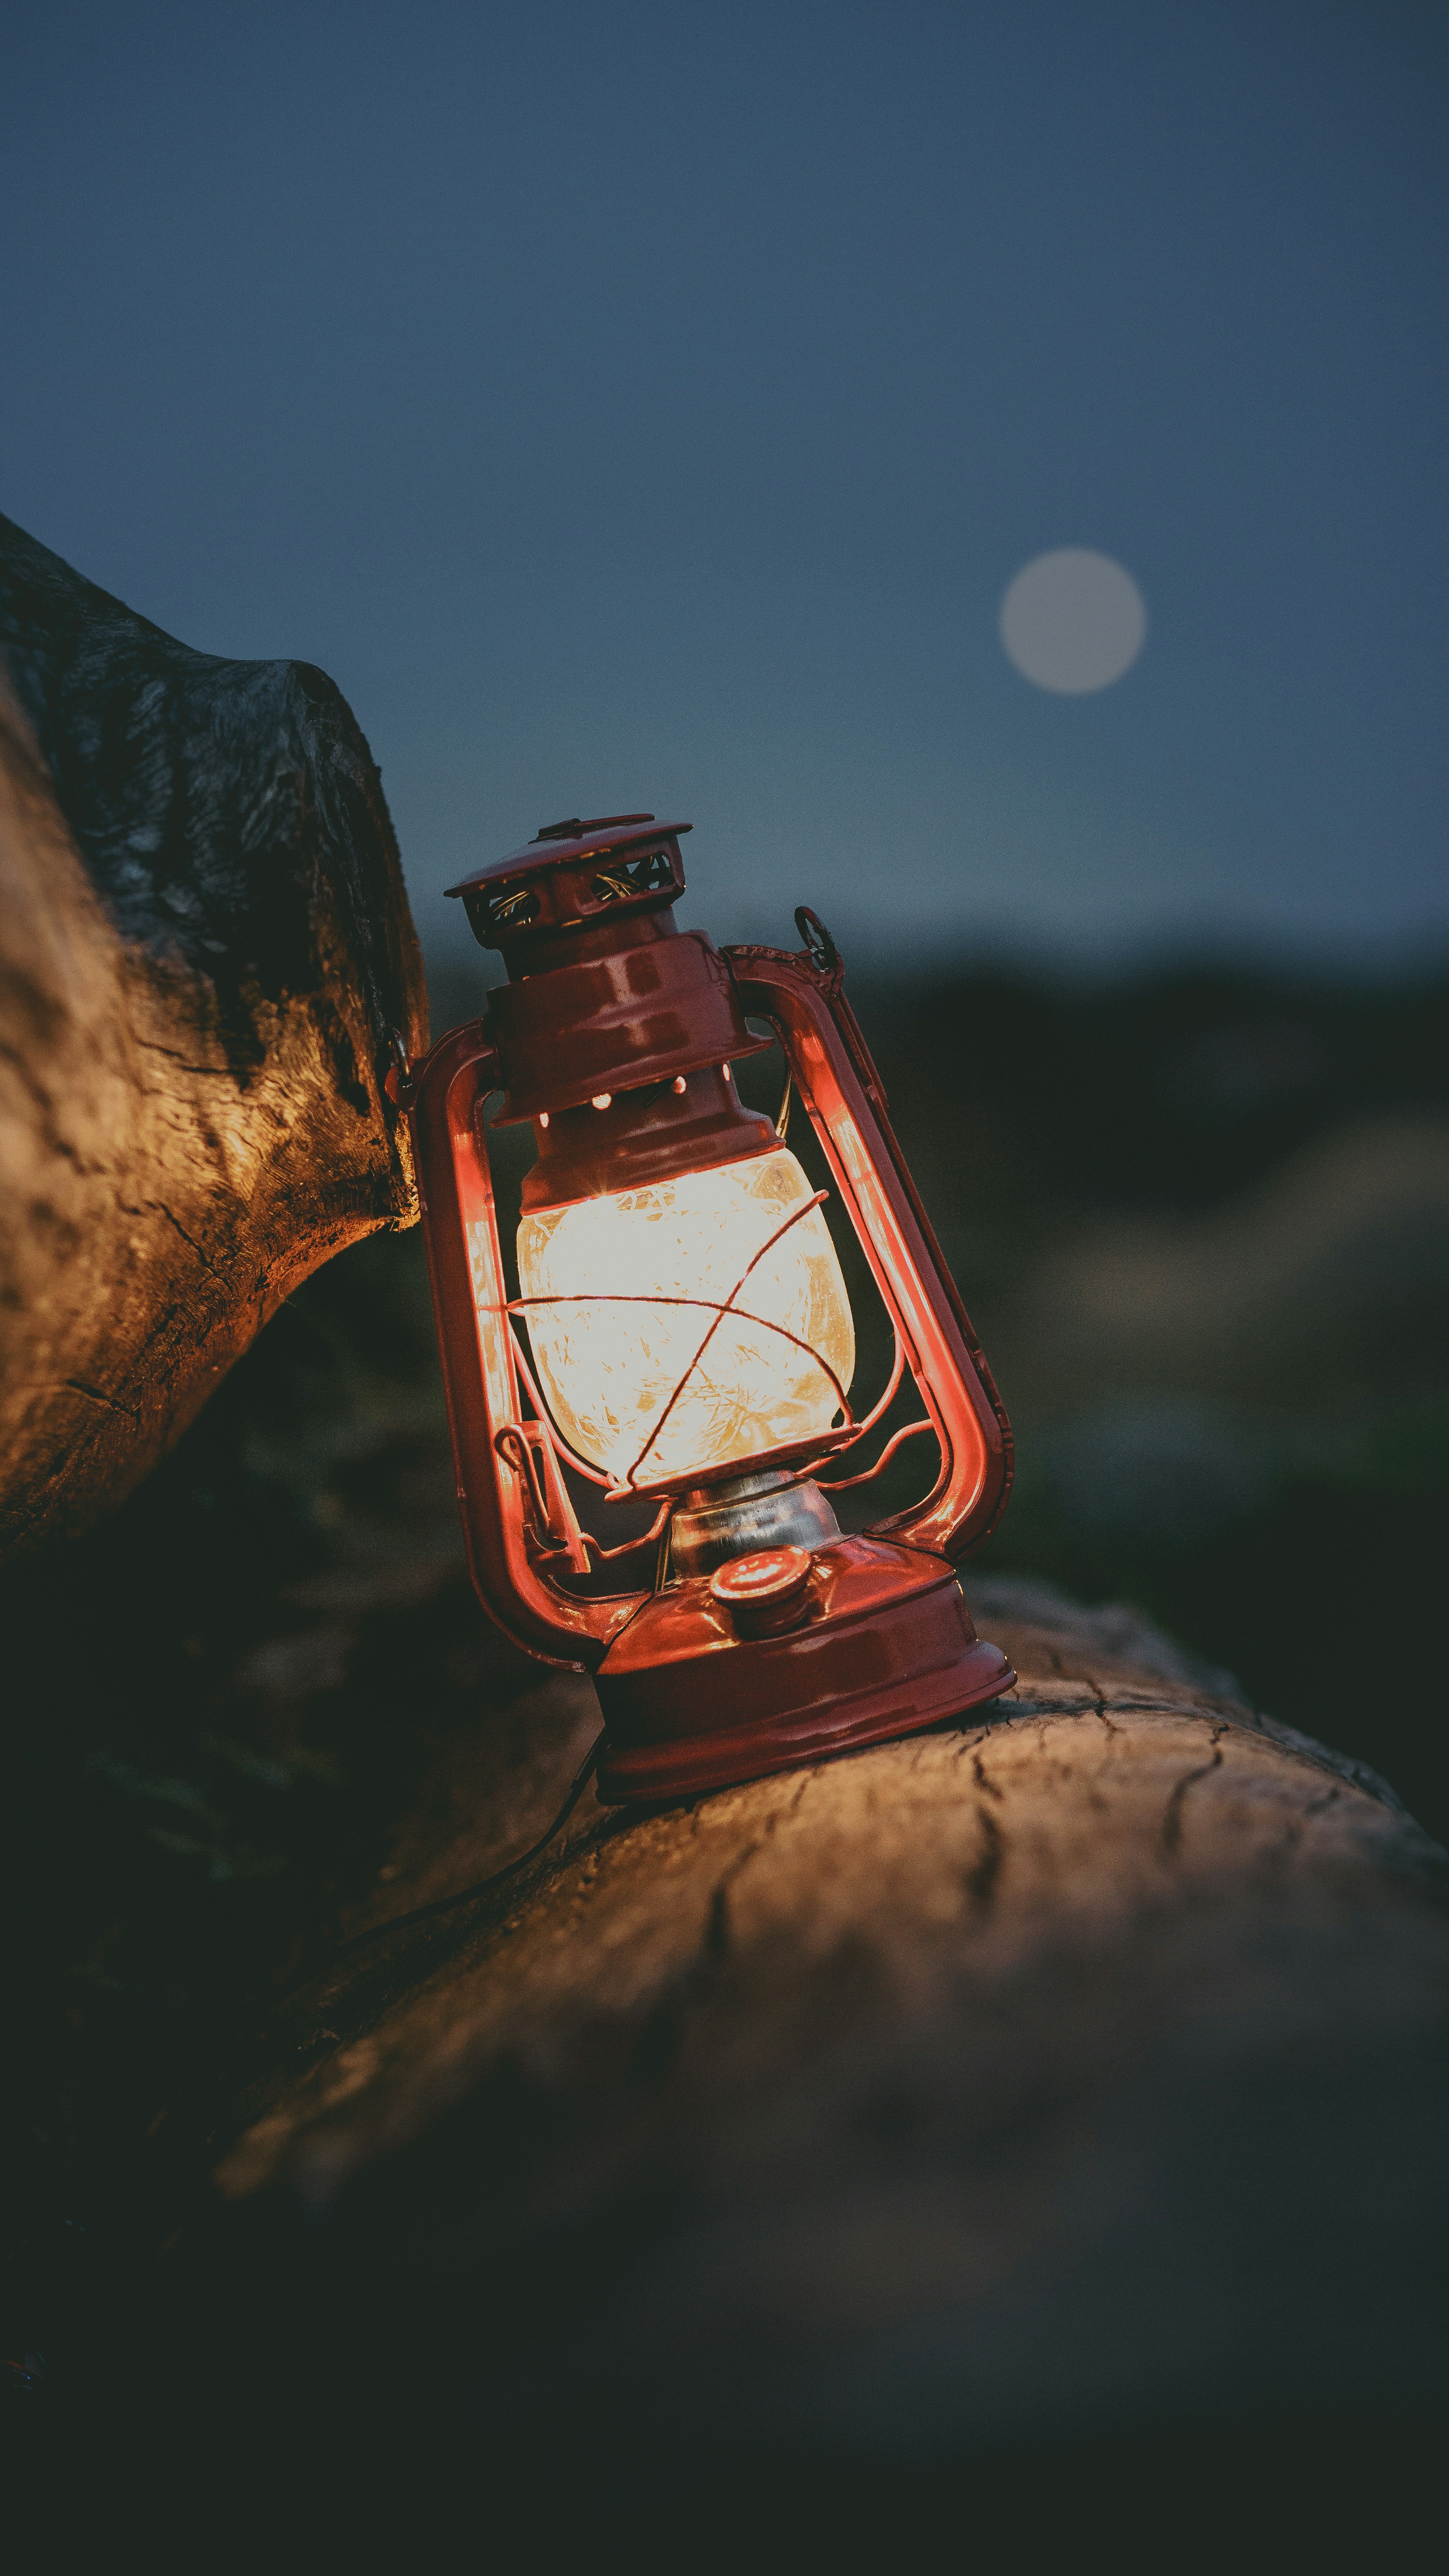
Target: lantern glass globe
(644, 1374)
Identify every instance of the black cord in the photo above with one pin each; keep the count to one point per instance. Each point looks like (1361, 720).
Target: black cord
(481, 1887)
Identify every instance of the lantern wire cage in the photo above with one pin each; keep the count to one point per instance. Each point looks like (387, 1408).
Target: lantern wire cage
(513, 1442)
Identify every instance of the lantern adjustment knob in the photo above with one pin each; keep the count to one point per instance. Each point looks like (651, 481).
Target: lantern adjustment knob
(764, 1591)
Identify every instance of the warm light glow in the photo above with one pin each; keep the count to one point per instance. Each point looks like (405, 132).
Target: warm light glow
(608, 1370)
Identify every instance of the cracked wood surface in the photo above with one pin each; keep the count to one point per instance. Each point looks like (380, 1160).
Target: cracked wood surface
(204, 940)
(1080, 2059)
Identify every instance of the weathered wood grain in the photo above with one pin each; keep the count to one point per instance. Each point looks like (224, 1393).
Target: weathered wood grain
(204, 941)
(1078, 2067)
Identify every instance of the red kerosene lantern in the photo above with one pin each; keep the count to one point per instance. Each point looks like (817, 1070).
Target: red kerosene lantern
(682, 1331)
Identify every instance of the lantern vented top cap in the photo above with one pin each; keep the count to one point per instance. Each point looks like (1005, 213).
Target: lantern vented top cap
(560, 844)
(570, 873)
(577, 828)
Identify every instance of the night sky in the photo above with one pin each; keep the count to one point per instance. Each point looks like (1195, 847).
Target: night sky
(639, 407)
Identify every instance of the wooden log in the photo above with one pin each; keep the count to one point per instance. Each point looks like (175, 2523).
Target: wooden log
(204, 943)
(1071, 2073)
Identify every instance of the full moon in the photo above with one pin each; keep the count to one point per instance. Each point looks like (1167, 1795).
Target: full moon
(1073, 621)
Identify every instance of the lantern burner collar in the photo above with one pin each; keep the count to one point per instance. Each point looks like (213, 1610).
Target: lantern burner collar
(715, 1525)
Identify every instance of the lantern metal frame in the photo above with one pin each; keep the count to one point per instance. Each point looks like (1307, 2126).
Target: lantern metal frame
(696, 1689)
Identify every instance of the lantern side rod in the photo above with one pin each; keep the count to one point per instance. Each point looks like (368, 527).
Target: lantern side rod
(841, 1091)
(480, 1378)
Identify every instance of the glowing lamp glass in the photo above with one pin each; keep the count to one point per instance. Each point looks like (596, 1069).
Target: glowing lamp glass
(628, 1289)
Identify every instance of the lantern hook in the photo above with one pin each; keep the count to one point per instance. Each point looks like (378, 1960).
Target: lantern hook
(512, 1442)
(819, 946)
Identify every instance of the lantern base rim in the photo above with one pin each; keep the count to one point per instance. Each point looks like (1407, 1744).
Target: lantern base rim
(690, 1763)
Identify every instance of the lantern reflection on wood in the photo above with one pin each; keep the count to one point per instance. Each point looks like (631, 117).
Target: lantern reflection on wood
(682, 1331)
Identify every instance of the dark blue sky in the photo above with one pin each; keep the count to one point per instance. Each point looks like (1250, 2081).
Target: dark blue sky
(649, 406)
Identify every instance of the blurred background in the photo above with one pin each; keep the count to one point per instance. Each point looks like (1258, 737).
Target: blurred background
(985, 467)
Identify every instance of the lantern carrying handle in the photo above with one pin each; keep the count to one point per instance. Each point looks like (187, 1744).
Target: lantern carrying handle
(507, 1469)
(802, 996)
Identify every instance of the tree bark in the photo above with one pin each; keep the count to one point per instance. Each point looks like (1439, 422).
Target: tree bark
(1076, 2066)
(204, 943)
